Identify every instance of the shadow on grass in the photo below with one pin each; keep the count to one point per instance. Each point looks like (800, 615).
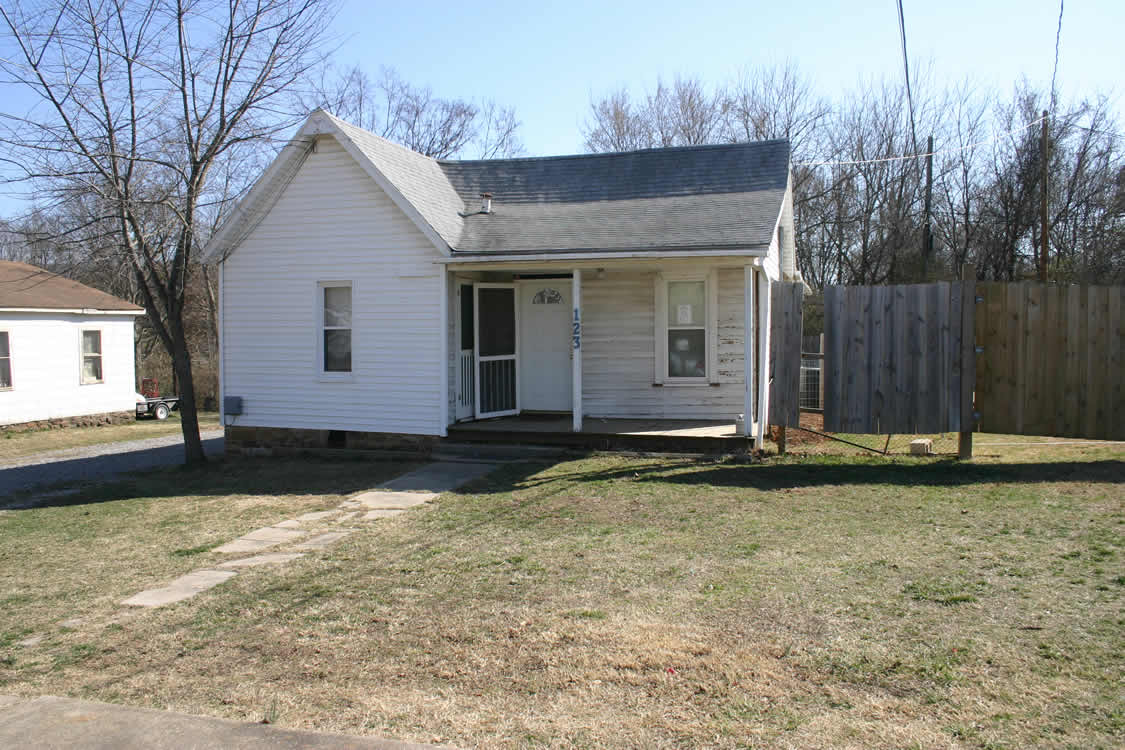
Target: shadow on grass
(821, 473)
(218, 477)
(324, 476)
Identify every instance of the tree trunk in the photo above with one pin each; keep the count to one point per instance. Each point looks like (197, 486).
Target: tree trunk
(189, 417)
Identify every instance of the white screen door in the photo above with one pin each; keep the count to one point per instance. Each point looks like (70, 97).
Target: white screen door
(466, 345)
(497, 350)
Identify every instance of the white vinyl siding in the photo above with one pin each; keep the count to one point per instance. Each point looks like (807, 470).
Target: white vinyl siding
(334, 222)
(619, 351)
(46, 355)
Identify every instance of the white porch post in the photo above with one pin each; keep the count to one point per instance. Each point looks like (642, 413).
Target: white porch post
(763, 357)
(576, 347)
(748, 281)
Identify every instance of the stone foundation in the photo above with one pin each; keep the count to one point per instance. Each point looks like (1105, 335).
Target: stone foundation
(287, 441)
(87, 420)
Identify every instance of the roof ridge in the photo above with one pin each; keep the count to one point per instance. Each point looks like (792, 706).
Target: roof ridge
(603, 154)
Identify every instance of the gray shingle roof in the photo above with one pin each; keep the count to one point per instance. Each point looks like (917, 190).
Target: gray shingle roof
(720, 197)
(700, 197)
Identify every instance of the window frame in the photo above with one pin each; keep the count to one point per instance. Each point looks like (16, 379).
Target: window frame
(11, 374)
(318, 364)
(710, 327)
(82, 355)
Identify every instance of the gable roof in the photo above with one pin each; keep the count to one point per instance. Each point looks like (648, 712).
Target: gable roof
(27, 287)
(724, 197)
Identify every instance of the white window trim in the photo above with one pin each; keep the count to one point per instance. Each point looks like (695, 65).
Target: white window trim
(323, 375)
(11, 370)
(82, 356)
(711, 327)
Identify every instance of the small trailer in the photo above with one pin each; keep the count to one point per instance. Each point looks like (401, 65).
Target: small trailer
(151, 404)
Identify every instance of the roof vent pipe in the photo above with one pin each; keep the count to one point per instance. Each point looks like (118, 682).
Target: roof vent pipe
(486, 203)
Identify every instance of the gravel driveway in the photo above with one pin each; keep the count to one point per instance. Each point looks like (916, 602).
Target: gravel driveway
(99, 461)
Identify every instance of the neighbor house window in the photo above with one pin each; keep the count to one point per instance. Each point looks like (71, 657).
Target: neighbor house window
(5, 362)
(336, 327)
(685, 328)
(91, 356)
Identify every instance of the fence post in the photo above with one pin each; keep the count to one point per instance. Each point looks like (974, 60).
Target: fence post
(968, 360)
(820, 400)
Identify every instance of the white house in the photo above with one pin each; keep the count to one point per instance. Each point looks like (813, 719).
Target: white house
(370, 292)
(66, 350)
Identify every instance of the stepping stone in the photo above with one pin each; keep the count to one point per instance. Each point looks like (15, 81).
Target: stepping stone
(322, 541)
(273, 558)
(71, 623)
(348, 515)
(260, 539)
(182, 588)
(290, 524)
(438, 477)
(374, 515)
(319, 515)
(29, 642)
(380, 499)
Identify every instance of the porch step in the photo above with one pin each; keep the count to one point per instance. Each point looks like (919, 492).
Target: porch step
(454, 449)
(527, 444)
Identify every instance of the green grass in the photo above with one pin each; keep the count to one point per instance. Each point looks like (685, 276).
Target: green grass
(817, 602)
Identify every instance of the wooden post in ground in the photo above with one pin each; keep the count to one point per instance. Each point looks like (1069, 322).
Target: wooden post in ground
(968, 360)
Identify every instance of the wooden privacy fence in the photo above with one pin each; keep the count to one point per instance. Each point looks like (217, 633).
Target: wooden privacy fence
(1051, 360)
(897, 357)
(786, 322)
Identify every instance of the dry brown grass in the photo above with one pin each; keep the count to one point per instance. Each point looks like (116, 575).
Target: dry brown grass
(843, 602)
(20, 444)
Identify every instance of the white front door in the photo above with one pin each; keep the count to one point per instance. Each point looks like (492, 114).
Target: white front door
(545, 340)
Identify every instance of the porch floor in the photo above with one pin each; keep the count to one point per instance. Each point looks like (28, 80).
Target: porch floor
(668, 435)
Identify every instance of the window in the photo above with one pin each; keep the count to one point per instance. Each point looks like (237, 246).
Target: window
(336, 325)
(685, 330)
(5, 362)
(91, 357)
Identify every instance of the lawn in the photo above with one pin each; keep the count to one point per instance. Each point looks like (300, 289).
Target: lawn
(20, 444)
(843, 601)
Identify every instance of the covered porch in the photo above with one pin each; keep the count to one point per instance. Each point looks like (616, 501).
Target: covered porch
(645, 354)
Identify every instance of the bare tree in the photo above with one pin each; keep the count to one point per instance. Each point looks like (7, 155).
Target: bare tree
(135, 104)
(683, 114)
(413, 116)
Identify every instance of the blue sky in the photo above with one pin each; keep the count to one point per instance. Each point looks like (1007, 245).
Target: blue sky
(547, 59)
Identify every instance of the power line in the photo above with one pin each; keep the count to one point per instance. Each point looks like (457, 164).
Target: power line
(906, 70)
(904, 157)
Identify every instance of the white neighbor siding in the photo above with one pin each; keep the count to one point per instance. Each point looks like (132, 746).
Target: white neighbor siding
(46, 366)
(333, 223)
(618, 360)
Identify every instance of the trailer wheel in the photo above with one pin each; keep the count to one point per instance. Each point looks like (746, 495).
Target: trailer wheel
(160, 411)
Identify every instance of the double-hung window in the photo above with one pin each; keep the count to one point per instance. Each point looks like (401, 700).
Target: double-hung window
(91, 357)
(5, 362)
(335, 304)
(685, 329)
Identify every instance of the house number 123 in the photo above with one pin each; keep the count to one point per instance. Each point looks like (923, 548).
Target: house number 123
(577, 329)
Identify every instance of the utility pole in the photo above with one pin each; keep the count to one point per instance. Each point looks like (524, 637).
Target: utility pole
(927, 234)
(1043, 206)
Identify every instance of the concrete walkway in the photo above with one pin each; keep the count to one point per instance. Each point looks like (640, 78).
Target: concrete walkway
(309, 532)
(48, 723)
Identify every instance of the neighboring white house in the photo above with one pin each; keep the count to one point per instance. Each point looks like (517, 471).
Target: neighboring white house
(66, 350)
(366, 288)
